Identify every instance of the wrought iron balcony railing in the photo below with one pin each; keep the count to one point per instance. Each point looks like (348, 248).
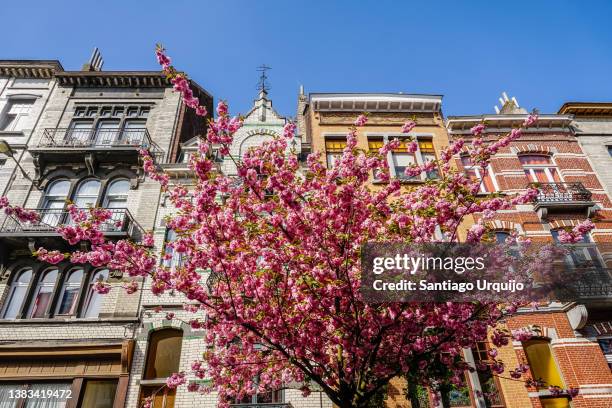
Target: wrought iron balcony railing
(596, 283)
(120, 223)
(99, 139)
(555, 193)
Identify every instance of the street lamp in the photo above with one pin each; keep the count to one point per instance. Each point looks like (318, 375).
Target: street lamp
(5, 148)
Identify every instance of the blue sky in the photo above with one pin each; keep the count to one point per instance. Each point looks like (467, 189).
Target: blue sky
(542, 52)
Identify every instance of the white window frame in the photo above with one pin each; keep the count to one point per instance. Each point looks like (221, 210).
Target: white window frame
(334, 156)
(18, 117)
(546, 167)
(477, 169)
(388, 136)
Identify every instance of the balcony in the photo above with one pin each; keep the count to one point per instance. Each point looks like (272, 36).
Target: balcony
(91, 147)
(594, 288)
(562, 198)
(13, 231)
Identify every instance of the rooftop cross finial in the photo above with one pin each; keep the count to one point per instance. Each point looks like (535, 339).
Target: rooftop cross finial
(262, 85)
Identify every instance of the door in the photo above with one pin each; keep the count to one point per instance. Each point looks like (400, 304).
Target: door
(107, 133)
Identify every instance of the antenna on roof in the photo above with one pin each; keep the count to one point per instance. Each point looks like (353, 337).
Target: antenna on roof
(262, 85)
(95, 61)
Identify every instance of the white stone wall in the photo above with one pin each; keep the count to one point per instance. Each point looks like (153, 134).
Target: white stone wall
(594, 136)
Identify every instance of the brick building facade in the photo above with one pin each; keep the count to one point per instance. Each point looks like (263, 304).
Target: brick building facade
(566, 350)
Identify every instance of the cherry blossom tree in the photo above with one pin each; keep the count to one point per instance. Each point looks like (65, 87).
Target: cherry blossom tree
(273, 261)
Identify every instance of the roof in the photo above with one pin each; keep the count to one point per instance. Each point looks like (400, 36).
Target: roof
(30, 68)
(372, 102)
(587, 108)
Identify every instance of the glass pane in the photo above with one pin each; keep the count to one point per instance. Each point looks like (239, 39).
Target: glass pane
(119, 187)
(90, 187)
(70, 293)
(5, 394)
(107, 132)
(59, 188)
(48, 398)
(99, 394)
(534, 159)
(43, 294)
(80, 132)
(15, 301)
(93, 302)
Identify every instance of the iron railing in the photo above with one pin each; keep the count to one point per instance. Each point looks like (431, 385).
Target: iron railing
(561, 193)
(71, 138)
(594, 283)
(121, 221)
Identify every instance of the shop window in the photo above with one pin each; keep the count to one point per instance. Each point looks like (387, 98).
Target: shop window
(17, 294)
(542, 363)
(99, 393)
(164, 353)
(43, 295)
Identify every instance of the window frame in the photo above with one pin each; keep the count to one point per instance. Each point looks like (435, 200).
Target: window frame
(482, 189)
(153, 340)
(334, 154)
(9, 126)
(96, 114)
(12, 288)
(62, 290)
(418, 154)
(547, 341)
(546, 167)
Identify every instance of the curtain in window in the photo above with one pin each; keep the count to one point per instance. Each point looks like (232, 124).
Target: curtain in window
(70, 293)
(44, 291)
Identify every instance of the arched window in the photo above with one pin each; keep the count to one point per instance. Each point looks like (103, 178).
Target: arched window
(86, 194)
(17, 294)
(539, 168)
(54, 202)
(93, 300)
(43, 294)
(164, 353)
(69, 294)
(117, 194)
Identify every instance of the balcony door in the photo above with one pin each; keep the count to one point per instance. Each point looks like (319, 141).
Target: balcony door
(54, 202)
(107, 133)
(133, 132)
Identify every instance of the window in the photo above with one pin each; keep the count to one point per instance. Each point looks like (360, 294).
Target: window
(271, 397)
(108, 125)
(540, 169)
(172, 258)
(54, 202)
(69, 294)
(489, 383)
(93, 299)
(17, 294)
(43, 294)
(400, 158)
(43, 395)
(541, 362)
(333, 151)
(583, 253)
(488, 183)
(86, 194)
(164, 354)
(610, 150)
(501, 236)
(117, 194)
(163, 397)
(16, 114)
(99, 393)
(555, 402)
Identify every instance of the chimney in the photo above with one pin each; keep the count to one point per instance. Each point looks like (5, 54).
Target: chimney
(95, 62)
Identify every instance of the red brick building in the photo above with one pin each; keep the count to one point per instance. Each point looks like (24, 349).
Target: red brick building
(571, 339)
